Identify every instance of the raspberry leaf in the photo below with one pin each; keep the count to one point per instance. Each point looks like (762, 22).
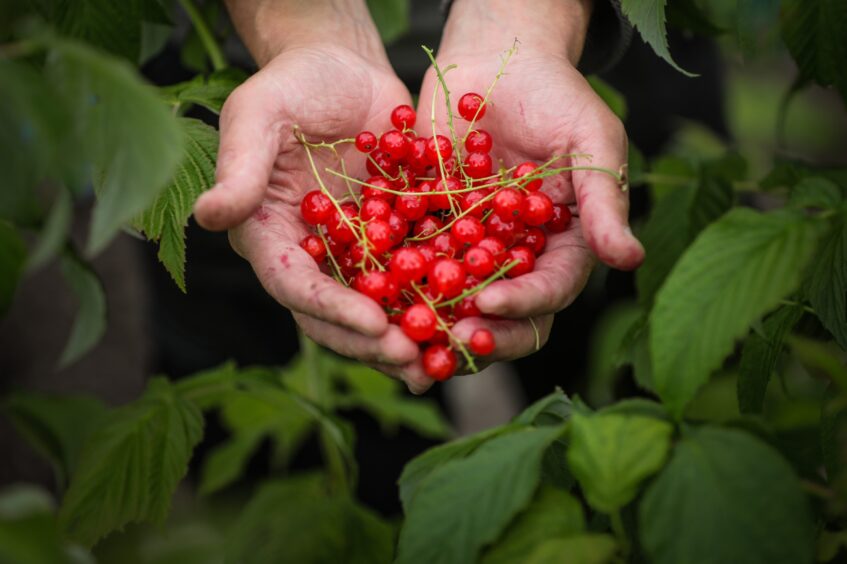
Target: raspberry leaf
(648, 17)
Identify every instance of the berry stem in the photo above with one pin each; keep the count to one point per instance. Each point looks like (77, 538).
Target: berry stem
(500, 73)
(332, 262)
(481, 286)
(207, 38)
(537, 334)
(446, 328)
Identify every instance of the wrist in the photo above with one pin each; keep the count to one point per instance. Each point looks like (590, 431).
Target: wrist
(547, 27)
(269, 27)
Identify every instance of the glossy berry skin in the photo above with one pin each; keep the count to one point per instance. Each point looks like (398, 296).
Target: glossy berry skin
(506, 231)
(538, 209)
(468, 230)
(313, 245)
(403, 117)
(378, 286)
(446, 278)
(417, 157)
(375, 208)
(472, 200)
(379, 235)
(428, 252)
(339, 229)
(525, 258)
(535, 239)
(479, 262)
(479, 141)
(444, 147)
(525, 169)
(471, 105)
(399, 227)
(316, 208)
(394, 144)
(560, 220)
(412, 207)
(376, 188)
(378, 159)
(419, 323)
(482, 342)
(347, 264)
(439, 362)
(494, 246)
(478, 165)
(509, 204)
(408, 265)
(442, 201)
(445, 245)
(466, 308)
(366, 142)
(427, 226)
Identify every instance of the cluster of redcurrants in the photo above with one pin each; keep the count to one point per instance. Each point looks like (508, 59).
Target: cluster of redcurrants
(430, 230)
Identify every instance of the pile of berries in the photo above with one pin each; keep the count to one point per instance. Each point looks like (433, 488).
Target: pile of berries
(431, 228)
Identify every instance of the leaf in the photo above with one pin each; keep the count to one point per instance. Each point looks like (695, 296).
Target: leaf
(610, 96)
(226, 463)
(54, 231)
(635, 350)
(740, 501)
(687, 15)
(553, 513)
(123, 129)
(787, 173)
(56, 427)
(12, 258)
(760, 355)
(648, 17)
(736, 270)
(165, 220)
(490, 486)
(553, 409)
(90, 323)
(611, 455)
(820, 357)
(131, 465)
(833, 434)
(606, 341)
(28, 531)
(584, 549)
(757, 25)
(827, 287)
(391, 18)
(815, 192)
(637, 406)
(296, 520)
(210, 91)
(814, 31)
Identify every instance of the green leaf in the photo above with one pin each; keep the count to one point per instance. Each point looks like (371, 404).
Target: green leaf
(637, 406)
(787, 173)
(606, 340)
(12, 258)
(611, 455)
(226, 463)
(814, 31)
(584, 549)
(131, 465)
(687, 15)
(648, 17)
(553, 513)
(126, 133)
(827, 287)
(635, 350)
(391, 18)
(760, 355)
(553, 409)
(757, 25)
(833, 434)
(54, 231)
(815, 192)
(736, 270)
(165, 220)
(738, 499)
(490, 486)
(90, 323)
(28, 531)
(820, 357)
(612, 97)
(208, 91)
(296, 520)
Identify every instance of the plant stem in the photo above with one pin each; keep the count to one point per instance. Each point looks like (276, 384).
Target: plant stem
(210, 44)
(620, 533)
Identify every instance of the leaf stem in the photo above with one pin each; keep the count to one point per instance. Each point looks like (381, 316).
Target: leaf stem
(210, 44)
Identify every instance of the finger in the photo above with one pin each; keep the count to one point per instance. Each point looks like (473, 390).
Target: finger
(411, 374)
(560, 274)
(392, 348)
(250, 142)
(603, 205)
(512, 338)
(291, 276)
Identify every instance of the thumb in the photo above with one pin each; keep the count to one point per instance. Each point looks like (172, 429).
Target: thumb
(250, 141)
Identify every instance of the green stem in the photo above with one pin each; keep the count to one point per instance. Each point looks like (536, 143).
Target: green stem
(481, 286)
(210, 44)
(446, 328)
(620, 533)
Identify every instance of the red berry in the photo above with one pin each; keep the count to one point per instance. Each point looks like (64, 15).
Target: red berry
(376, 186)
(427, 226)
(347, 264)
(412, 207)
(482, 342)
(419, 323)
(375, 208)
(314, 246)
(509, 204)
(479, 141)
(428, 252)
(394, 144)
(439, 362)
(494, 246)
(408, 265)
(442, 201)
(380, 163)
(560, 220)
(525, 258)
(470, 106)
(399, 227)
(538, 208)
(445, 245)
(339, 229)
(525, 169)
(444, 148)
(366, 142)
(447, 277)
(403, 117)
(378, 286)
(471, 200)
(335, 247)
(478, 165)
(506, 231)
(417, 156)
(468, 230)
(479, 262)
(535, 239)
(316, 208)
(379, 236)
(466, 308)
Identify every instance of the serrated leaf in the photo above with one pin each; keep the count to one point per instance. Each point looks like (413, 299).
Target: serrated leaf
(738, 500)
(815, 31)
(759, 357)
(208, 91)
(827, 287)
(391, 18)
(131, 465)
(12, 259)
(553, 513)
(54, 231)
(815, 192)
(787, 173)
(490, 486)
(606, 341)
(90, 322)
(611, 455)
(648, 17)
(125, 133)
(585, 549)
(733, 273)
(552, 409)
